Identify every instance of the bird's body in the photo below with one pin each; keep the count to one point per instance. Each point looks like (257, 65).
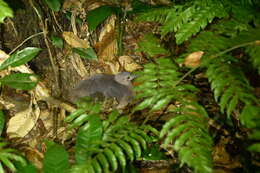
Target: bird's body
(110, 86)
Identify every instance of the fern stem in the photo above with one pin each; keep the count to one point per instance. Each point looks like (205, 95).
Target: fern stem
(256, 42)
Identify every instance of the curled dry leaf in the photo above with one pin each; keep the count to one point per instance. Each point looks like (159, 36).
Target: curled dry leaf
(74, 41)
(193, 59)
(23, 122)
(70, 4)
(107, 42)
(128, 63)
(114, 67)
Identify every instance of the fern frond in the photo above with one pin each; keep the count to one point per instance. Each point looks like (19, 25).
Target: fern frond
(254, 53)
(209, 42)
(156, 15)
(158, 85)
(109, 148)
(152, 47)
(185, 20)
(202, 16)
(229, 84)
(8, 156)
(188, 134)
(229, 27)
(250, 118)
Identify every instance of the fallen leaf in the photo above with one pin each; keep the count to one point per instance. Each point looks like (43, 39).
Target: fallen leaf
(23, 122)
(193, 59)
(129, 64)
(74, 40)
(107, 43)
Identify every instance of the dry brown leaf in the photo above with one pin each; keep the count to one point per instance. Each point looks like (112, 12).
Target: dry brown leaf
(107, 44)
(128, 63)
(74, 41)
(193, 59)
(70, 4)
(34, 156)
(114, 67)
(21, 124)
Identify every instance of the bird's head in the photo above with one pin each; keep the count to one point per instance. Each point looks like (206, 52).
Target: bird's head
(124, 78)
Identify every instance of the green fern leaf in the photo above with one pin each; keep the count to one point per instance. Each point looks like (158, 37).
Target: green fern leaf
(232, 105)
(119, 154)
(172, 123)
(152, 47)
(128, 149)
(140, 140)
(255, 147)
(135, 145)
(96, 166)
(103, 162)
(111, 158)
(162, 103)
(254, 53)
(225, 98)
(249, 116)
(180, 141)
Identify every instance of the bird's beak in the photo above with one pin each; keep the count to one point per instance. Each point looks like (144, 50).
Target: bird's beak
(133, 77)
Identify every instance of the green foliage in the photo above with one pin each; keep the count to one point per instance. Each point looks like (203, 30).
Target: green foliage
(229, 84)
(254, 53)
(187, 131)
(22, 81)
(87, 53)
(151, 46)
(231, 88)
(153, 153)
(29, 168)
(54, 5)
(5, 11)
(209, 42)
(57, 41)
(160, 85)
(98, 15)
(20, 57)
(186, 20)
(56, 159)
(103, 146)
(8, 156)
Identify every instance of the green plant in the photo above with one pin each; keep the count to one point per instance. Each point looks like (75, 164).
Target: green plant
(187, 129)
(8, 155)
(103, 146)
(234, 32)
(23, 81)
(5, 11)
(185, 19)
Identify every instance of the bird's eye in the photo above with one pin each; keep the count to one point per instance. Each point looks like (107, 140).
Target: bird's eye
(128, 78)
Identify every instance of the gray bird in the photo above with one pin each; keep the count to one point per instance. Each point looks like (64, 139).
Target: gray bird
(117, 86)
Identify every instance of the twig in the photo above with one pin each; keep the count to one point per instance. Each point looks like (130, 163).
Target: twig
(45, 32)
(56, 21)
(34, 35)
